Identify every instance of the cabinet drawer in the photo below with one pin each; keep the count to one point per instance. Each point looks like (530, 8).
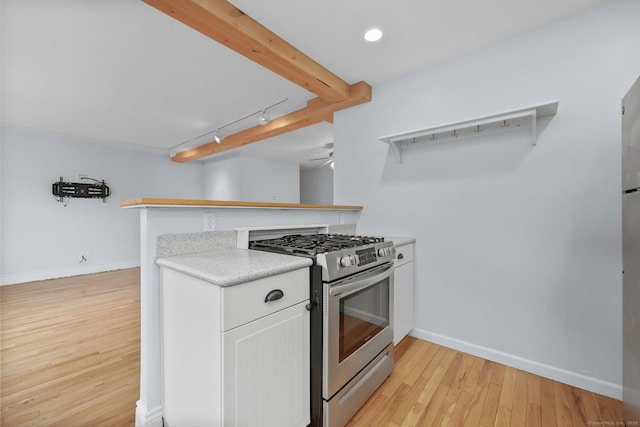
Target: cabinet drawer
(246, 302)
(404, 254)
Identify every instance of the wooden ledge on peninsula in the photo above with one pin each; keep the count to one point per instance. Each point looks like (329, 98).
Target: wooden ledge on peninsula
(155, 202)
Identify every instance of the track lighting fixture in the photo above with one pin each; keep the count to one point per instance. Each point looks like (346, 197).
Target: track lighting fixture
(263, 119)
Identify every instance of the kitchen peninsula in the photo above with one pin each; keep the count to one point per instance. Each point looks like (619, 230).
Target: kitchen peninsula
(235, 338)
(203, 218)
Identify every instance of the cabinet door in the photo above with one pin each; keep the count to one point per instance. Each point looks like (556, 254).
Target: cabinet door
(402, 301)
(266, 371)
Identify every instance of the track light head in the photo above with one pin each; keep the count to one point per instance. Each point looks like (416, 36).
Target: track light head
(264, 118)
(172, 153)
(217, 139)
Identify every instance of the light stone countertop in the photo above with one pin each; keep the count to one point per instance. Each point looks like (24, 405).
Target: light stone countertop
(228, 267)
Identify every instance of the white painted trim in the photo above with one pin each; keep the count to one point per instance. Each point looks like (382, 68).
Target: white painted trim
(557, 374)
(12, 279)
(146, 418)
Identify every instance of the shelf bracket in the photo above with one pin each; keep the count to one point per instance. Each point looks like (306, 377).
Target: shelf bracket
(398, 149)
(534, 131)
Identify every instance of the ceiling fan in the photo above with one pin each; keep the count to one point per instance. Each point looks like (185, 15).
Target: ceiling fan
(328, 160)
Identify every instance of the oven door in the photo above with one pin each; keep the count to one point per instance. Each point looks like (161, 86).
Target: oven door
(357, 324)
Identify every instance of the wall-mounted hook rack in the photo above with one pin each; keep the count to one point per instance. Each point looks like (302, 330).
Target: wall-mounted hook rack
(399, 140)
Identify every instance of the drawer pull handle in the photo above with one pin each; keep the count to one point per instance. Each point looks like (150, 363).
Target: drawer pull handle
(274, 295)
(400, 256)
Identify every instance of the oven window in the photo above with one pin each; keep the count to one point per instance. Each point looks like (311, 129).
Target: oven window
(362, 316)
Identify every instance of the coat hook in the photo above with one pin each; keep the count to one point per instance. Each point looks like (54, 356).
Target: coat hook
(478, 129)
(504, 124)
(433, 136)
(413, 141)
(455, 133)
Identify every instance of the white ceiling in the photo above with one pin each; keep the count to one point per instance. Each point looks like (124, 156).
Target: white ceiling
(121, 72)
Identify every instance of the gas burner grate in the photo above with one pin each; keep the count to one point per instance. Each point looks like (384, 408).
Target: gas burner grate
(313, 244)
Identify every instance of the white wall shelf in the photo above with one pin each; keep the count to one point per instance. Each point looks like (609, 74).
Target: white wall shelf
(468, 128)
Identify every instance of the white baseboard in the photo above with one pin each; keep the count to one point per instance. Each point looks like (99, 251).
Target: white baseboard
(12, 279)
(146, 418)
(557, 374)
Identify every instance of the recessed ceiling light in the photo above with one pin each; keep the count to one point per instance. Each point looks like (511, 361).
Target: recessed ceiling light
(373, 35)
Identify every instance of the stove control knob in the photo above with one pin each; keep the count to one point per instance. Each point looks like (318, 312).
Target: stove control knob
(384, 252)
(345, 261)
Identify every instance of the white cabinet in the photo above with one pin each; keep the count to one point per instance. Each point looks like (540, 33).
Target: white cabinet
(269, 371)
(403, 294)
(232, 359)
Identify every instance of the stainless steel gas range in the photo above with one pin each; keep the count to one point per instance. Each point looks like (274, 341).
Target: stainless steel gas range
(351, 318)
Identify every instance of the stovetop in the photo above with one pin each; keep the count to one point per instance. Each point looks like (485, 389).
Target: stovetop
(313, 244)
(339, 255)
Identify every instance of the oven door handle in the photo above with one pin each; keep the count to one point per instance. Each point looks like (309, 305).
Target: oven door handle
(360, 283)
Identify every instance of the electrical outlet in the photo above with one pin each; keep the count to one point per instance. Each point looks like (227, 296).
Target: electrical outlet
(209, 221)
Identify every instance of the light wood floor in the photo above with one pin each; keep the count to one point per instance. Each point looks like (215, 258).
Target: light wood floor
(436, 386)
(70, 357)
(70, 351)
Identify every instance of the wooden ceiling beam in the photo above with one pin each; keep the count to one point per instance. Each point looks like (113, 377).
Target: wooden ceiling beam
(228, 25)
(317, 110)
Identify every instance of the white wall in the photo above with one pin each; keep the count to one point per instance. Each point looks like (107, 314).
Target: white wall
(43, 239)
(316, 186)
(1, 204)
(1, 209)
(518, 248)
(237, 176)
